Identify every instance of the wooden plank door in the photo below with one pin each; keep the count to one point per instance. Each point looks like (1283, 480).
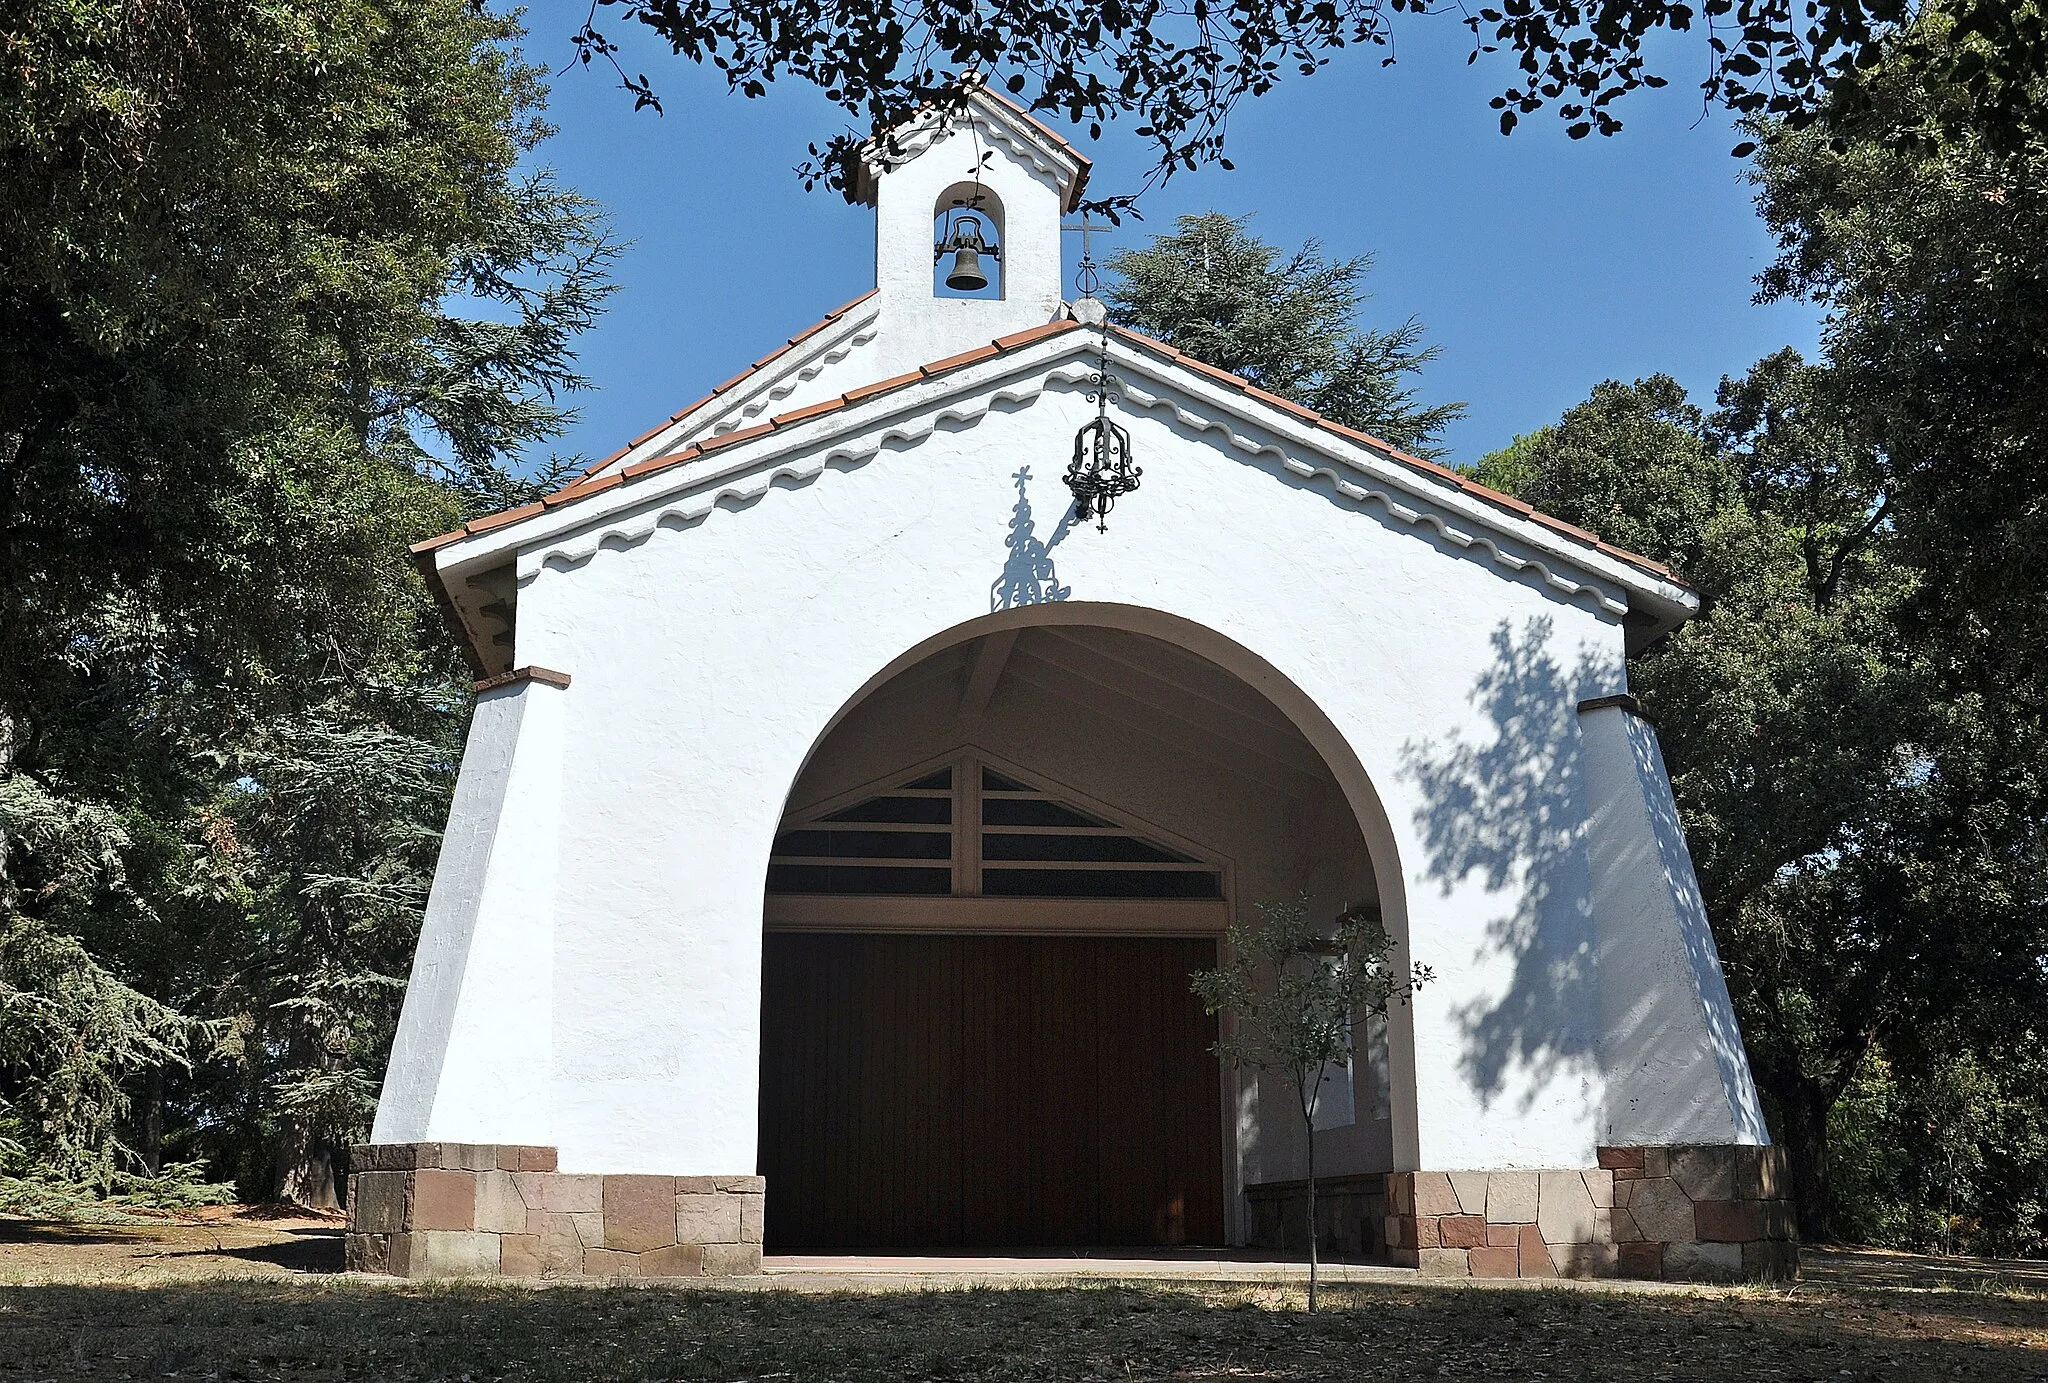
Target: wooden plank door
(960, 1091)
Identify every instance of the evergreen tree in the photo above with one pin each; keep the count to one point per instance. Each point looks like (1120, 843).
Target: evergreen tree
(278, 295)
(1288, 323)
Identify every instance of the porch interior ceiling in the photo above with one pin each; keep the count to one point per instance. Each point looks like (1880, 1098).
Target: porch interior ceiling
(1143, 685)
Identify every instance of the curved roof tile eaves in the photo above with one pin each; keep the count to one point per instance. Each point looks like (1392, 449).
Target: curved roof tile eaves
(592, 486)
(588, 486)
(742, 377)
(1431, 468)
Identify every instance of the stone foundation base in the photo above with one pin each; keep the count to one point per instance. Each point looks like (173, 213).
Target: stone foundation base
(483, 1210)
(1351, 1215)
(1696, 1213)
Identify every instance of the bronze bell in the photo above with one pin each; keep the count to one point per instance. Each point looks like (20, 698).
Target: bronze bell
(967, 246)
(966, 276)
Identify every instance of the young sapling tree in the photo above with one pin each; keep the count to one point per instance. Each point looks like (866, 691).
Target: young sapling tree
(1297, 990)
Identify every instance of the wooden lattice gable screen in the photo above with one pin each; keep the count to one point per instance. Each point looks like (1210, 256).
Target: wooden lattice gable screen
(971, 828)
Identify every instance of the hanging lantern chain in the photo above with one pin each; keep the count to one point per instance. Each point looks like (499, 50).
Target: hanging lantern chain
(1101, 472)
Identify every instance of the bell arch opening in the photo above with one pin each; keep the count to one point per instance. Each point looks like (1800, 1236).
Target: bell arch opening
(994, 876)
(967, 243)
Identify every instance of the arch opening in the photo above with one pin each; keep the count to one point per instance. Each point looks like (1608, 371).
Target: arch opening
(968, 214)
(995, 873)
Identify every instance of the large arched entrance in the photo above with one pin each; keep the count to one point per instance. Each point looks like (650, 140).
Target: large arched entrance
(992, 882)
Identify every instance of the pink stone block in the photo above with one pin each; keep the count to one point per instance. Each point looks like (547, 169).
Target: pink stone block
(1488, 1262)
(639, 1213)
(1434, 1196)
(519, 1255)
(443, 1200)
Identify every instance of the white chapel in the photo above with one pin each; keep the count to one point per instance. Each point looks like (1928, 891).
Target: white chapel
(850, 798)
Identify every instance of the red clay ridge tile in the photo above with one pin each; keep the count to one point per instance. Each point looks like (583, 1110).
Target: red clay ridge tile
(1442, 472)
(797, 415)
(736, 380)
(1637, 559)
(661, 463)
(880, 386)
(571, 493)
(597, 466)
(745, 434)
(840, 311)
(500, 519)
(1030, 334)
(1285, 405)
(1560, 526)
(954, 362)
(1505, 501)
(420, 549)
(678, 416)
(771, 357)
(1203, 367)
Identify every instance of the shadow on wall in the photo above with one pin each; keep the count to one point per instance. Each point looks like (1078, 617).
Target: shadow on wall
(1511, 811)
(1028, 576)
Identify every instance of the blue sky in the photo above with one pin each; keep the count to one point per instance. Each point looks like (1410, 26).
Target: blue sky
(1542, 265)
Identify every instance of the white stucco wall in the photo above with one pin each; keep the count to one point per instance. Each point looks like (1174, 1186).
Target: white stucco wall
(471, 1061)
(1678, 1072)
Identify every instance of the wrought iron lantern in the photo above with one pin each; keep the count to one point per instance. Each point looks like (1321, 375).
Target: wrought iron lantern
(1101, 472)
(964, 241)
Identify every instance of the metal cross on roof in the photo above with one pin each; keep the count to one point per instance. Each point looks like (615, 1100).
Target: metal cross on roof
(1086, 280)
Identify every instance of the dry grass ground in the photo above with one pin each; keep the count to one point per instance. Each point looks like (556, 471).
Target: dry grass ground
(245, 1299)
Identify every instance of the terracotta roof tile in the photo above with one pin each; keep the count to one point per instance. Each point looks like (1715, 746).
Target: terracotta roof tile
(736, 381)
(503, 517)
(1571, 529)
(881, 386)
(797, 415)
(1505, 501)
(954, 362)
(1030, 334)
(812, 330)
(582, 488)
(661, 463)
(422, 548)
(726, 439)
(1012, 342)
(1086, 164)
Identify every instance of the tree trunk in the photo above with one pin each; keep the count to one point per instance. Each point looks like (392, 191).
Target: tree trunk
(306, 1151)
(1805, 1106)
(152, 1122)
(1312, 1235)
(305, 1168)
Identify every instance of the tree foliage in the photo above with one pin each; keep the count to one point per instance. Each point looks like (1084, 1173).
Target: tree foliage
(1858, 722)
(279, 292)
(1178, 70)
(1286, 322)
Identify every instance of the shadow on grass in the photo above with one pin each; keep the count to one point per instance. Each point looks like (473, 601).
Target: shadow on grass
(307, 1251)
(354, 1328)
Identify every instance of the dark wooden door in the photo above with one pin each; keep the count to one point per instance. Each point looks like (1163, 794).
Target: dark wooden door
(985, 1092)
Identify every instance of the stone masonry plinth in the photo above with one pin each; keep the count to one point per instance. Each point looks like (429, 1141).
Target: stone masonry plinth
(1696, 1213)
(483, 1210)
